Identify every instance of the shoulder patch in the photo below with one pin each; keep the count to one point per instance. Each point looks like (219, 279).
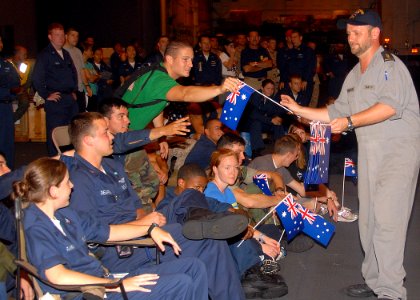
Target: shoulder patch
(387, 56)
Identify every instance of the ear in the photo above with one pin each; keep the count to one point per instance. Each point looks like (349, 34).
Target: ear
(376, 32)
(53, 191)
(87, 140)
(169, 59)
(181, 183)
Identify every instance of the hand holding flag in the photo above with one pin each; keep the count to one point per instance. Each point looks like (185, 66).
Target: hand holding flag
(236, 102)
(261, 181)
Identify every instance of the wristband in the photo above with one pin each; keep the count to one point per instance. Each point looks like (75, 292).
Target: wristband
(149, 231)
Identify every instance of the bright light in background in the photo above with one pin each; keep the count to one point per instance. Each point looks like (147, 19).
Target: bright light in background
(23, 67)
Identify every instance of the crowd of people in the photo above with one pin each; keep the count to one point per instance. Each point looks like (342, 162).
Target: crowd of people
(128, 115)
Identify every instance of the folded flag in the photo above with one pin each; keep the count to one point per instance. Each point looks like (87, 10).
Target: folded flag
(349, 168)
(288, 213)
(261, 181)
(234, 105)
(319, 154)
(316, 226)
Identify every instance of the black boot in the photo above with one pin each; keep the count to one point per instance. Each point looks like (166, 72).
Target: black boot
(204, 224)
(266, 279)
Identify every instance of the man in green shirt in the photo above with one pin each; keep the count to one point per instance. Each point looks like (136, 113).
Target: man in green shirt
(162, 86)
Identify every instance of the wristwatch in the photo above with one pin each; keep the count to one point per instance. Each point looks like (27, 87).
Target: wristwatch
(149, 231)
(350, 125)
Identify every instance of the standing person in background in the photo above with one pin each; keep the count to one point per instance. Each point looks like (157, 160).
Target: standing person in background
(378, 98)
(55, 80)
(130, 65)
(91, 77)
(283, 56)
(255, 61)
(9, 85)
(157, 55)
(72, 38)
(274, 73)
(24, 68)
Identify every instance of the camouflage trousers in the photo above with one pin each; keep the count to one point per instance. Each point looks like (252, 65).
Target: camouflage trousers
(143, 177)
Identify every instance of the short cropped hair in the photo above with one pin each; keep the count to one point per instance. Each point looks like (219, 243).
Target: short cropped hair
(189, 171)
(286, 144)
(174, 47)
(105, 108)
(81, 125)
(230, 139)
(267, 81)
(53, 26)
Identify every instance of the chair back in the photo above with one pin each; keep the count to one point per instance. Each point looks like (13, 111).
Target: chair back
(60, 137)
(91, 291)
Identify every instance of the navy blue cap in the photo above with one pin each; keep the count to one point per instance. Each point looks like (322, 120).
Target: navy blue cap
(361, 17)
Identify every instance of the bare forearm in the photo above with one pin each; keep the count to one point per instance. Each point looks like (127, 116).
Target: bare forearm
(254, 200)
(377, 113)
(122, 232)
(200, 93)
(61, 275)
(317, 114)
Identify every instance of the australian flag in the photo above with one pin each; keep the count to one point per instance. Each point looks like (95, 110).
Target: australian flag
(316, 226)
(289, 215)
(319, 154)
(261, 181)
(349, 168)
(234, 106)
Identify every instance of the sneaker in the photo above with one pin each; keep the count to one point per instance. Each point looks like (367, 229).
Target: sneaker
(323, 210)
(345, 215)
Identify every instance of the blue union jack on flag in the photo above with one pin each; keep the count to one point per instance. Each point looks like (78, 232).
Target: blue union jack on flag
(234, 106)
(319, 154)
(349, 167)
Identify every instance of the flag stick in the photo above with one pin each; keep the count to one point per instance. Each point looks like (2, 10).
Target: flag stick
(344, 178)
(284, 107)
(265, 217)
(282, 233)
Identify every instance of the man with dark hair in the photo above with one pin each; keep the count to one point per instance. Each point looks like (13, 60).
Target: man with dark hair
(202, 150)
(301, 60)
(157, 55)
(102, 188)
(255, 61)
(146, 178)
(286, 151)
(264, 116)
(55, 80)
(203, 217)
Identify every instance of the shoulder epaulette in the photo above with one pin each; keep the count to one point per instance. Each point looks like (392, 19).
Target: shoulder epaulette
(387, 56)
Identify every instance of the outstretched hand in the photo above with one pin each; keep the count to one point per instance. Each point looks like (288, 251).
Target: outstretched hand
(289, 103)
(179, 127)
(230, 84)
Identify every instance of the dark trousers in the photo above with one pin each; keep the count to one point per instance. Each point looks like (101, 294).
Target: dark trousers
(57, 114)
(257, 128)
(7, 133)
(223, 278)
(81, 101)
